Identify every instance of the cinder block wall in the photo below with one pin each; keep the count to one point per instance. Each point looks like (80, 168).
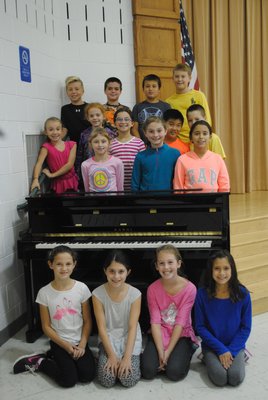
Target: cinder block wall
(88, 38)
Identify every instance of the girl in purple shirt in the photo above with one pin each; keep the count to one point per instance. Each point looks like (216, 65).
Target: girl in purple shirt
(170, 300)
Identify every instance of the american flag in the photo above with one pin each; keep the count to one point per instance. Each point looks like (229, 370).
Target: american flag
(187, 54)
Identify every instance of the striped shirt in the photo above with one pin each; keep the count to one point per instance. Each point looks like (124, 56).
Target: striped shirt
(127, 152)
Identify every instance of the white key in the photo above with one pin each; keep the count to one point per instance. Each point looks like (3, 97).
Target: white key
(127, 245)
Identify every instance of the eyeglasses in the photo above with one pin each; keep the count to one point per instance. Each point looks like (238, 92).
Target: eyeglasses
(126, 119)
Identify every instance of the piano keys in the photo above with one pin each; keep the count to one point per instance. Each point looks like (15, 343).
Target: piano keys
(148, 244)
(91, 224)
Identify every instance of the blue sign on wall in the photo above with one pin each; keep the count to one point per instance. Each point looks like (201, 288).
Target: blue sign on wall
(25, 64)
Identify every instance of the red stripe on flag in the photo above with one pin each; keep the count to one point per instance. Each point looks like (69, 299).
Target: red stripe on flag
(187, 54)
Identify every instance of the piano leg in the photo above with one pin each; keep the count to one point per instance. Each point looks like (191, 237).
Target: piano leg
(33, 335)
(34, 328)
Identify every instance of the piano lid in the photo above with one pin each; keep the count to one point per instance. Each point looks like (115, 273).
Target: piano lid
(127, 212)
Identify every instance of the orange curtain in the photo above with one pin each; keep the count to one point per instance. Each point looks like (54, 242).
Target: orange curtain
(230, 38)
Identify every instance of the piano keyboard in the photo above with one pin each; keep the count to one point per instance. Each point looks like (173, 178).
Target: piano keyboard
(181, 244)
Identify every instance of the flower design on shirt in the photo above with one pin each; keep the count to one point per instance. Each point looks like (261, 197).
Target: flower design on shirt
(109, 115)
(169, 314)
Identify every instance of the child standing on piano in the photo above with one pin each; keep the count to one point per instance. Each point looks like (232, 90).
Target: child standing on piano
(154, 167)
(66, 320)
(117, 308)
(60, 157)
(102, 172)
(223, 320)
(201, 168)
(170, 300)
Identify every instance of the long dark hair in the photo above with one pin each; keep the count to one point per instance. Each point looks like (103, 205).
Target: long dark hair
(199, 122)
(235, 287)
(117, 256)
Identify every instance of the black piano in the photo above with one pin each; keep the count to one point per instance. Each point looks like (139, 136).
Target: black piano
(92, 223)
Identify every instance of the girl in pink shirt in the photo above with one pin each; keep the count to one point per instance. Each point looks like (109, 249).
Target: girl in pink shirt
(201, 168)
(102, 172)
(170, 300)
(60, 157)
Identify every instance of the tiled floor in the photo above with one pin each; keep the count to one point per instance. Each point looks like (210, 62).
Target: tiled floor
(195, 386)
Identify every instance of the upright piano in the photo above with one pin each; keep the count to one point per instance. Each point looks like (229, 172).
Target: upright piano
(92, 223)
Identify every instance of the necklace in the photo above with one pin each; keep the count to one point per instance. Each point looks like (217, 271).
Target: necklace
(113, 105)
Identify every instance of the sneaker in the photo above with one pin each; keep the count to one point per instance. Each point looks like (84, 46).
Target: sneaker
(29, 363)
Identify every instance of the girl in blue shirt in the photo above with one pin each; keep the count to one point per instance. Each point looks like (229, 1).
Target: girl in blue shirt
(154, 167)
(223, 320)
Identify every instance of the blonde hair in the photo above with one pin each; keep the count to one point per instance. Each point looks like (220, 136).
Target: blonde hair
(151, 119)
(99, 131)
(183, 67)
(169, 248)
(54, 119)
(94, 105)
(72, 79)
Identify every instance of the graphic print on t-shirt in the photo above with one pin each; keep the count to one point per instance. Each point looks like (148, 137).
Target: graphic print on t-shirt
(169, 315)
(101, 179)
(149, 112)
(65, 309)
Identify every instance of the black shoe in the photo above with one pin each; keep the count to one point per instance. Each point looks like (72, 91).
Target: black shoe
(29, 363)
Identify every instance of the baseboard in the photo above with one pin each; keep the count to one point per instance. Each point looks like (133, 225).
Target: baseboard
(12, 329)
